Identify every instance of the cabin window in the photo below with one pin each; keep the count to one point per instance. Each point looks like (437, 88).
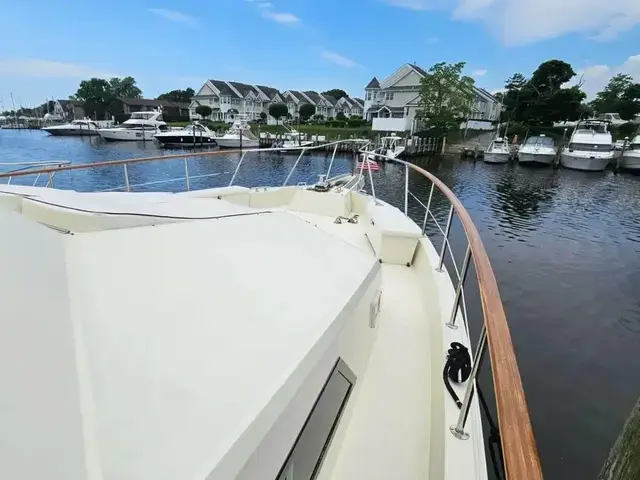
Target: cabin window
(309, 450)
(605, 147)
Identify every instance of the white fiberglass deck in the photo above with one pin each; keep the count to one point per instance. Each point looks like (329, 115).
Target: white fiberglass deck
(195, 343)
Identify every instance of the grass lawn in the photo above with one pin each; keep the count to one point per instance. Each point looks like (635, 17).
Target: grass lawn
(330, 132)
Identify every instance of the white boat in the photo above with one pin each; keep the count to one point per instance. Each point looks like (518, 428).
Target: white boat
(590, 147)
(331, 342)
(538, 149)
(238, 136)
(630, 158)
(193, 135)
(140, 126)
(498, 151)
(392, 147)
(76, 127)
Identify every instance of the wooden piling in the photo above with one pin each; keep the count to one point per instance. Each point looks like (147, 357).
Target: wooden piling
(624, 459)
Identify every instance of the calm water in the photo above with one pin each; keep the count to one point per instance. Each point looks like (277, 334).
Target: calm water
(565, 247)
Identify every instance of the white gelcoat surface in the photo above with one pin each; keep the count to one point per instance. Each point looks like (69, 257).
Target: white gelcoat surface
(183, 379)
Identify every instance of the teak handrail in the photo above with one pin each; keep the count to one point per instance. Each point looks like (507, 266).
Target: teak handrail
(519, 449)
(518, 443)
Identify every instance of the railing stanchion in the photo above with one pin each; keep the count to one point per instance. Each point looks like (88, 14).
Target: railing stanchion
(426, 214)
(335, 149)
(373, 189)
(293, 168)
(406, 190)
(459, 289)
(126, 178)
(186, 173)
(238, 167)
(445, 239)
(50, 182)
(458, 429)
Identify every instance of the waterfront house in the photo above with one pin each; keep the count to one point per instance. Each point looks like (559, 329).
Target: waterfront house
(350, 107)
(397, 97)
(169, 108)
(68, 109)
(228, 99)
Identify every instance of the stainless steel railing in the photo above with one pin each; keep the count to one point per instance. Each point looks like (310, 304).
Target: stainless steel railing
(518, 443)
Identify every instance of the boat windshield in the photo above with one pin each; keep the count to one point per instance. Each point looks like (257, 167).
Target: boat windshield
(540, 142)
(194, 127)
(597, 127)
(591, 147)
(142, 115)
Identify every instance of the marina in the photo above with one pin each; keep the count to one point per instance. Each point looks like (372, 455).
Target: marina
(545, 231)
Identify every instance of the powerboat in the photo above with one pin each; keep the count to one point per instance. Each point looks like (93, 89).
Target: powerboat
(75, 128)
(630, 158)
(590, 147)
(193, 135)
(392, 147)
(140, 126)
(238, 136)
(333, 340)
(498, 151)
(538, 149)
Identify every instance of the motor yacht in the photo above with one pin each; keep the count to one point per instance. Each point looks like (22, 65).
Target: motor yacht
(630, 158)
(142, 126)
(590, 147)
(333, 341)
(75, 128)
(193, 135)
(238, 136)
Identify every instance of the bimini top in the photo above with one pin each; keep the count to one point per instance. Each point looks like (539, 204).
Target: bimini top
(161, 352)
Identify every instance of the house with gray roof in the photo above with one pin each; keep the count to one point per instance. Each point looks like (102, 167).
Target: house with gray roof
(398, 97)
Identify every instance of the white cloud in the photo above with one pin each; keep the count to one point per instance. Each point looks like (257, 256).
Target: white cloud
(432, 40)
(338, 59)
(519, 22)
(479, 73)
(595, 77)
(265, 5)
(410, 4)
(173, 15)
(32, 67)
(281, 17)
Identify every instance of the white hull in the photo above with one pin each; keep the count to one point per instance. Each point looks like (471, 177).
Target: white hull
(235, 142)
(541, 158)
(496, 157)
(127, 134)
(586, 162)
(630, 160)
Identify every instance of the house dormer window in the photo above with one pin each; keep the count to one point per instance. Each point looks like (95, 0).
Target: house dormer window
(368, 95)
(389, 95)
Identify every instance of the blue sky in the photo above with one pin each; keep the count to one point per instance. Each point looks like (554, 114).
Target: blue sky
(48, 46)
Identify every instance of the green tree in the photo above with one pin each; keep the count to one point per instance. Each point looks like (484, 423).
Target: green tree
(307, 111)
(278, 110)
(336, 93)
(263, 116)
(96, 95)
(542, 98)
(204, 111)
(621, 95)
(183, 96)
(341, 116)
(445, 96)
(124, 87)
